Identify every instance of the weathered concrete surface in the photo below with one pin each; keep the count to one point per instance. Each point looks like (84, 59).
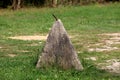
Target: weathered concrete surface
(58, 50)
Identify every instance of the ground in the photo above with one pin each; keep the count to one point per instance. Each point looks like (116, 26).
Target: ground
(107, 44)
(94, 31)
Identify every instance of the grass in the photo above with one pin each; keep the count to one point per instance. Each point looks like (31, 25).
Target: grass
(82, 22)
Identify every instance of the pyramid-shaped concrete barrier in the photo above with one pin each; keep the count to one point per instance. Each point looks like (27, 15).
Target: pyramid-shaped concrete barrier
(58, 50)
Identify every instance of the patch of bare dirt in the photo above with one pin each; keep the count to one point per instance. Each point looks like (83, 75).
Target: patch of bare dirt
(111, 34)
(107, 44)
(91, 58)
(24, 51)
(12, 55)
(0, 47)
(35, 37)
(112, 66)
(103, 48)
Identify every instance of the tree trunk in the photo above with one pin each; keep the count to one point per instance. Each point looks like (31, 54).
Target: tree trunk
(16, 4)
(58, 50)
(54, 3)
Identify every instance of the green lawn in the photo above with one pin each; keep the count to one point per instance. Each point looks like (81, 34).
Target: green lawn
(83, 23)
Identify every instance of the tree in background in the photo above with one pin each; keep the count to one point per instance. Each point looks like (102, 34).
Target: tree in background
(16, 4)
(54, 3)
